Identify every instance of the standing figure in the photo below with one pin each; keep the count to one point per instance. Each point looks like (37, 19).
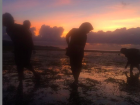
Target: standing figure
(75, 50)
(23, 45)
(133, 58)
(27, 25)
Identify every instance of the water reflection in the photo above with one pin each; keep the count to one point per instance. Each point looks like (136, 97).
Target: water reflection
(133, 80)
(19, 98)
(101, 81)
(25, 98)
(74, 96)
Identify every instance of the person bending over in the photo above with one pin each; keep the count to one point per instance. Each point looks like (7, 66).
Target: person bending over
(133, 58)
(76, 40)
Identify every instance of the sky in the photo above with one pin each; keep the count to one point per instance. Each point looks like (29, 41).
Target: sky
(47, 16)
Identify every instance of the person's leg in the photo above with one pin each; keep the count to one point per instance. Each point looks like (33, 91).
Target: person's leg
(30, 67)
(27, 63)
(20, 73)
(131, 68)
(76, 75)
(76, 65)
(79, 67)
(73, 68)
(19, 64)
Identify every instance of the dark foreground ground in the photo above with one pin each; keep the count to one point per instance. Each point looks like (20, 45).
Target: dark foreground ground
(102, 81)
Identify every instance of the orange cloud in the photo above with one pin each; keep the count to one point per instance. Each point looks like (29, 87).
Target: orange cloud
(112, 17)
(127, 20)
(117, 18)
(107, 21)
(126, 45)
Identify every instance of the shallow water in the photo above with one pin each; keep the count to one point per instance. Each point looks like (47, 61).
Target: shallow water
(101, 82)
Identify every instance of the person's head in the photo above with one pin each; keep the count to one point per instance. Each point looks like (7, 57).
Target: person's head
(86, 27)
(7, 19)
(123, 50)
(27, 24)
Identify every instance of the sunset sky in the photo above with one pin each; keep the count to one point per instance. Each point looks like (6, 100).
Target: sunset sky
(106, 15)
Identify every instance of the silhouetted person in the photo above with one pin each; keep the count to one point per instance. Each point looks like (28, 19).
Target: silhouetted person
(22, 45)
(133, 57)
(75, 49)
(27, 25)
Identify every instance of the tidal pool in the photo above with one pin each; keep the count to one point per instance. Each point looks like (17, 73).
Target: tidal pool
(103, 81)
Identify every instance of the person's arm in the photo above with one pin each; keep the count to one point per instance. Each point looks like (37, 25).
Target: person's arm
(67, 39)
(68, 36)
(32, 43)
(127, 64)
(33, 47)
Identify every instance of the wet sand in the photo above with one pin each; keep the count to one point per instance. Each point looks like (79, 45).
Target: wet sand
(102, 81)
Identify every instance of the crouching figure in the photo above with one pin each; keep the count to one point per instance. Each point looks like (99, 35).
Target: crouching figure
(133, 58)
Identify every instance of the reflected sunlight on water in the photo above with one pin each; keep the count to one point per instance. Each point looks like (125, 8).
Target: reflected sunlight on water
(102, 80)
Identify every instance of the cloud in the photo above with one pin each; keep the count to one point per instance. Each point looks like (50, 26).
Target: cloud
(110, 40)
(23, 5)
(33, 29)
(19, 5)
(119, 36)
(50, 36)
(124, 4)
